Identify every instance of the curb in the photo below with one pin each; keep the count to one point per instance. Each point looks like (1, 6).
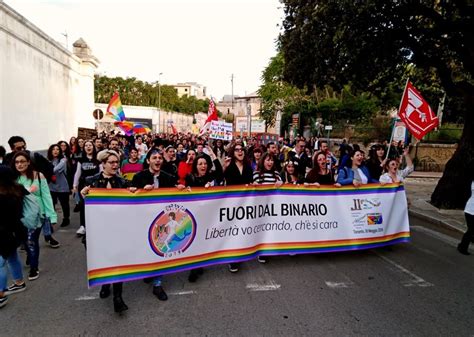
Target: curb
(435, 221)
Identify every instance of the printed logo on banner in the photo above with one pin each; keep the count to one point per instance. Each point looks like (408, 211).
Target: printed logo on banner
(172, 231)
(359, 215)
(374, 219)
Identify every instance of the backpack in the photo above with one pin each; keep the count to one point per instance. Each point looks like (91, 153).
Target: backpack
(43, 165)
(31, 217)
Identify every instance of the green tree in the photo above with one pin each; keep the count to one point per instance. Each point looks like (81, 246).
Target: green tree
(373, 44)
(275, 92)
(136, 92)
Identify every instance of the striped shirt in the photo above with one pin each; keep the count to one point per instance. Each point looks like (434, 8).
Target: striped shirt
(266, 178)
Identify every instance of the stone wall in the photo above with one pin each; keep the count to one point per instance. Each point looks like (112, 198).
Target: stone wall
(432, 157)
(46, 92)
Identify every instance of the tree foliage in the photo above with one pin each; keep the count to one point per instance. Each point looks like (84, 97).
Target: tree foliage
(375, 45)
(136, 92)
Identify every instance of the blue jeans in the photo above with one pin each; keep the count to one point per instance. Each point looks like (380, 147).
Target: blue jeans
(14, 264)
(157, 281)
(47, 229)
(32, 247)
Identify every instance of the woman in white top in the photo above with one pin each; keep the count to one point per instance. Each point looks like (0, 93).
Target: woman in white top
(392, 173)
(468, 237)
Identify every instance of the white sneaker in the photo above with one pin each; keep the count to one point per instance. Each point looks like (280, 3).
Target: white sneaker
(81, 231)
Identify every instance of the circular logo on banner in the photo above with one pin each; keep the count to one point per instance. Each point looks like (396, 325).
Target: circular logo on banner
(172, 231)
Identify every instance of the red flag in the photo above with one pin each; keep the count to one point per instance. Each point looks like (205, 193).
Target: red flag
(416, 113)
(211, 116)
(173, 129)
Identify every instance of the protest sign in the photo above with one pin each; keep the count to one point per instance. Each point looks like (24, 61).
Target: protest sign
(220, 130)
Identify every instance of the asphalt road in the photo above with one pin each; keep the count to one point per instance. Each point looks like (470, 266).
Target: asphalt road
(423, 288)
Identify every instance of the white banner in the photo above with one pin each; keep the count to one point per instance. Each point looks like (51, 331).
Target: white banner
(147, 233)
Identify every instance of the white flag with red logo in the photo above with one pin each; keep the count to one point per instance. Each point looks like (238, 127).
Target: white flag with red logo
(416, 113)
(211, 116)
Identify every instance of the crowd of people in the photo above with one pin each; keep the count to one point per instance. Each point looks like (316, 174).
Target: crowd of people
(163, 160)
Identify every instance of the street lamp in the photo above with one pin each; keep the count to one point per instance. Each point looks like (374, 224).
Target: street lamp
(159, 99)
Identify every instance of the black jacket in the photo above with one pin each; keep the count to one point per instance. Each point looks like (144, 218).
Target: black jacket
(233, 176)
(145, 177)
(12, 231)
(99, 181)
(214, 176)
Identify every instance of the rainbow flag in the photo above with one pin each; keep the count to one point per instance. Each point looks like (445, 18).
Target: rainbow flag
(126, 127)
(114, 109)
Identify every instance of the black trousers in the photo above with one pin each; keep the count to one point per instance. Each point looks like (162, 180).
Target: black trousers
(63, 198)
(468, 237)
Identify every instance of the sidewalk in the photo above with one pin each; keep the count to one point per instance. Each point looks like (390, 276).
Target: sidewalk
(419, 186)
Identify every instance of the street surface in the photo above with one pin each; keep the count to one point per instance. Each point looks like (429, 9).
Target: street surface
(423, 288)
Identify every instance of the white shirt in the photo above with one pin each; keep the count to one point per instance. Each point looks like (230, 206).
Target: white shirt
(401, 175)
(469, 209)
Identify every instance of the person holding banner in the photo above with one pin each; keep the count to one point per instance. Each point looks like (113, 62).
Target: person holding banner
(320, 174)
(150, 179)
(186, 166)
(202, 176)
(468, 237)
(290, 175)
(108, 178)
(392, 173)
(237, 171)
(266, 174)
(357, 173)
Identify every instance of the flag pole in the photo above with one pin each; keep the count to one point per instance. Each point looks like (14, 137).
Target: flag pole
(398, 112)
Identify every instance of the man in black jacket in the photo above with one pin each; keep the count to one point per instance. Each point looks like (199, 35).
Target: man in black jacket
(149, 179)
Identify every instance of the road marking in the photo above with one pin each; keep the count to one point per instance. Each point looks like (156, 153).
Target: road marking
(180, 293)
(87, 298)
(416, 280)
(443, 237)
(263, 287)
(334, 285)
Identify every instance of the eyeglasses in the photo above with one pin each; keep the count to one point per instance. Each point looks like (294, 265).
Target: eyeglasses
(238, 149)
(20, 148)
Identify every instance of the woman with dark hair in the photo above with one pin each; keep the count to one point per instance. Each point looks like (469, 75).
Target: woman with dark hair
(108, 178)
(186, 166)
(320, 174)
(376, 161)
(59, 186)
(356, 173)
(87, 166)
(468, 237)
(238, 171)
(73, 146)
(266, 173)
(12, 233)
(391, 172)
(35, 183)
(219, 151)
(290, 175)
(256, 155)
(202, 176)
(66, 151)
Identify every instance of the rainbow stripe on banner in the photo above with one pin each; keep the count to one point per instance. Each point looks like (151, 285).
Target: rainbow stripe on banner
(140, 271)
(164, 195)
(121, 273)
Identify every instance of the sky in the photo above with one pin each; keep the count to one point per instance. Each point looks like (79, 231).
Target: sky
(204, 41)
